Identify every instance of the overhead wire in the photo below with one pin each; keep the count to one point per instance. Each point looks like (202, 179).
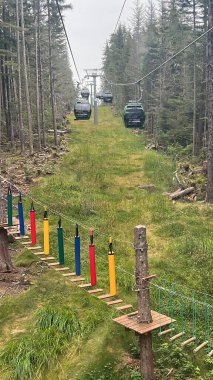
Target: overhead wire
(68, 41)
(119, 17)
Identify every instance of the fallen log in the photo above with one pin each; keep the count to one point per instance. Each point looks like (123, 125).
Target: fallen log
(181, 193)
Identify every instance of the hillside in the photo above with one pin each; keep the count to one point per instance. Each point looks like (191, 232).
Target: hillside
(55, 330)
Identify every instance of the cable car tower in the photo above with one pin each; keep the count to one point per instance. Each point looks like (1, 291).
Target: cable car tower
(94, 73)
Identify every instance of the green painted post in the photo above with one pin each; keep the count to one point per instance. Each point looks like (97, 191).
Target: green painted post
(60, 243)
(9, 208)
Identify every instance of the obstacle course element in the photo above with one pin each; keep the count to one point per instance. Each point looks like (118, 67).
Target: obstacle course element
(21, 216)
(112, 276)
(33, 224)
(77, 252)
(46, 233)
(132, 321)
(92, 259)
(9, 208)
(60, 243)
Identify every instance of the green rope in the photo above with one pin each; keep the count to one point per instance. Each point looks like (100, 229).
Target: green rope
(207, 327)
(182, 313)
(171, 306)
(159, 303)
(194, 312)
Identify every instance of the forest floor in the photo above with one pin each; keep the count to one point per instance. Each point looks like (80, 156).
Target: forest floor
(107, 180)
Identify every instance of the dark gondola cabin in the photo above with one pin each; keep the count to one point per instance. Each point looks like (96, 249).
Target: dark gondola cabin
(85, 93)
(107, 97)
(82, 110)
(134, 116)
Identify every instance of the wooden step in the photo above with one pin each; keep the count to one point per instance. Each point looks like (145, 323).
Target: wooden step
(84, 285)
(25, 242)
(53, 264)
(105, 296)
(48, 258)
(109, 303)
(124, 307)
(174, 337)
(188, 341)
(21, 237)
(94, 291)
(34, 248)
(198, 348)
(78, 279)
(164, 332)
(210, 353)
(38, 253)
(62, 269)
(68, 274)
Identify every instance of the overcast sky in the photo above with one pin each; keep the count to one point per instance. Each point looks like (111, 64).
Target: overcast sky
(89, 25)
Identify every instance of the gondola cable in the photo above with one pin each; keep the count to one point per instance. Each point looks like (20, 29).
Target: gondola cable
(68, 42)
(119, 17)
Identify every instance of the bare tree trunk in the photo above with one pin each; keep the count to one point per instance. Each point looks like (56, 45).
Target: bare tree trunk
(209, 194)
(20, 118)
(52, 95)
(26, 82)
(5, 260)
(37, 77)
(194, 142)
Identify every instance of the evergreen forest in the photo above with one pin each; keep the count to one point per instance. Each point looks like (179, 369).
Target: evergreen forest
(174, 96)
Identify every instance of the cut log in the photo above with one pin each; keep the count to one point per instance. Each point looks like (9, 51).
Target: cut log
(181, 193)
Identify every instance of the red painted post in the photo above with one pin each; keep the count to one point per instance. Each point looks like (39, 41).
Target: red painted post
(92, 259)
(33, 224)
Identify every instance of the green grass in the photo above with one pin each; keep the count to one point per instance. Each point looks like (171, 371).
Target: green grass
(97, 185)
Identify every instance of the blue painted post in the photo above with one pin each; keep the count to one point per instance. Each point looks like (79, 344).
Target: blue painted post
(77, 252)
(21, 216)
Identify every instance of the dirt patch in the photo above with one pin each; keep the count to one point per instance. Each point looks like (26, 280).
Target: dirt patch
(20, 280)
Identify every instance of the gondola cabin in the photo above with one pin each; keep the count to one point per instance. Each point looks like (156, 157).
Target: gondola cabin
(85, 93)
(107, 97)
(134, 116)
(82, 110)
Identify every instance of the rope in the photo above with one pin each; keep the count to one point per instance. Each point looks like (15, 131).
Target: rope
(119, 17)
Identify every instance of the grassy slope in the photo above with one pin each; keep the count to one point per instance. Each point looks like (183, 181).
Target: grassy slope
(96, 185)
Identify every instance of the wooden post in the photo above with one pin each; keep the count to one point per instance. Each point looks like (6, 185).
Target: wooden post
(5, 259)
(144, 311)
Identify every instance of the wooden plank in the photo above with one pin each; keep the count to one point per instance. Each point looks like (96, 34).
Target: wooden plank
(188, 341)
(174, 337)
(84, 285)
(25, 242)
(124, 307)
(48, 258)
(109, 303)
(165, 332)
(38, 253)
(105, 296)
(198, 348)
(78, 279)
(94, 291)
(53, 264)
(62, 269)
(21, 237)
(210, 353)
(131, 323)
(68, 274)
(34, 248)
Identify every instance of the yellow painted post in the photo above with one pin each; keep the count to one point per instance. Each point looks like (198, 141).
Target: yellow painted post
(112, 275)
(46, 233)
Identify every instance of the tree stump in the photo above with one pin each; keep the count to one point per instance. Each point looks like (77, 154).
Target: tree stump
(5, 259)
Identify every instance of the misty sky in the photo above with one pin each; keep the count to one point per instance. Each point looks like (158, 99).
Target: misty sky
(89, 25)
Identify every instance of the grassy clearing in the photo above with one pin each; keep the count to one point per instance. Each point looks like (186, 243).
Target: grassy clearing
(96, 185)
